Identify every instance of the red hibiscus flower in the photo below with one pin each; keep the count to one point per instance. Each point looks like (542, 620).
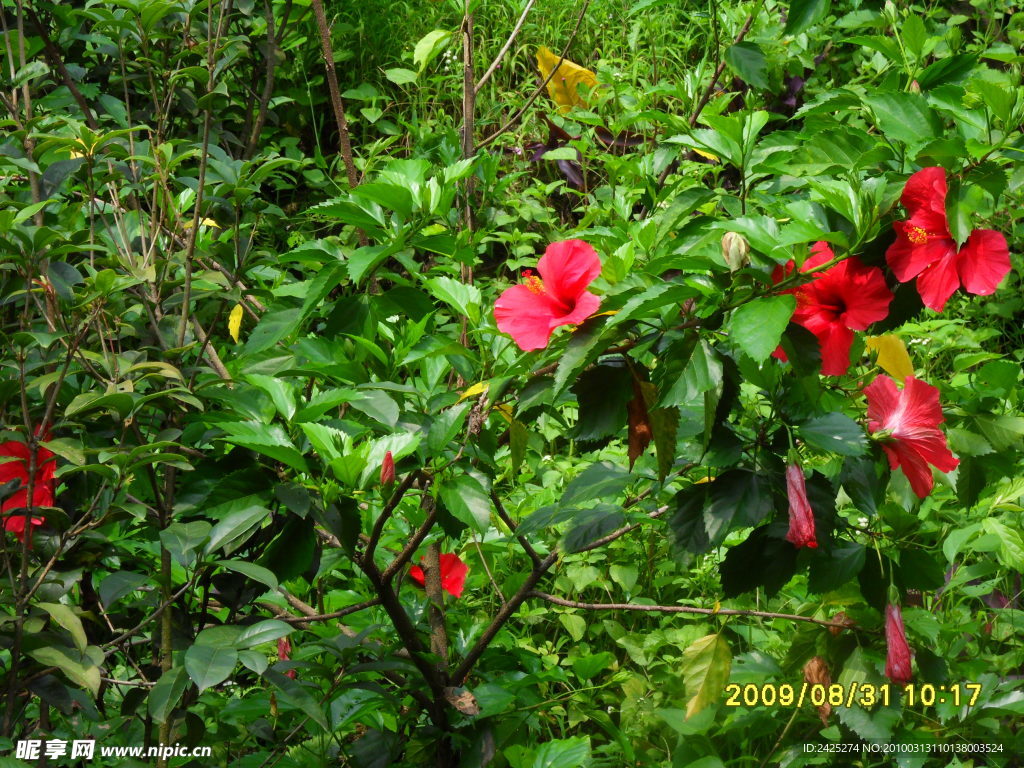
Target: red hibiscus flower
(907, 423)
(453, 574)
(845, 298)
(925, 249)
(801, 516)
(42, 487)
(897, 657)
(530, 312)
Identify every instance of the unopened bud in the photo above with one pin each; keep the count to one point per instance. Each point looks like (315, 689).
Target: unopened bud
(735, 251)
(387, 469)
(915, 87)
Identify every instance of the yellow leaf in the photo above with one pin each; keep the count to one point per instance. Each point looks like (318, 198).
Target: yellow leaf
(473, 391)
(892, 356)
(505, 410)
(235, 322)
(563, 88)
(705, 155)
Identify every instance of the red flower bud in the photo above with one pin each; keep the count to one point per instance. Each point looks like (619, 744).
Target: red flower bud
(284, 653)
(387, 469)
(897, 658)
(801, 516)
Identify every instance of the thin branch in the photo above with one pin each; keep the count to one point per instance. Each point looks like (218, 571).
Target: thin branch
(618, 533)
(389, 508)
(326, 616)
(504, 48)
(503, 615)
(684, 609)
(332, 83)
(527, 547)
(533, 96)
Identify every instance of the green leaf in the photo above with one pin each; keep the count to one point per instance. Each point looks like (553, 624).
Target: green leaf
(831, 570)
(253, 571)
(296, 695)
(263, 632)
(165, 695)
(864, 479)
(463, 298)
(232, 531)
(208, 665)
(590, 525)
(181, 538)
(280, 393)
(757, 326)
(67, 618)
(665, 426)
(905, 117)
(120, 583)
(468, 501)
(804, 14)
(747, 60)
(273, 326)
(563, 753)
(80, 668)
(574, 624)
(1011, 545)
(400, 76)
(267, 439)
(429, 46)
(761, 561)
(835, 432)
(601, 480)
(378, 405)
(705, 670)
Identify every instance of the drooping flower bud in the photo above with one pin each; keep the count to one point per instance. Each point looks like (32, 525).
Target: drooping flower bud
(801, 516)
(284, 653)
(897, 657)
(735, 251)
(387, 469)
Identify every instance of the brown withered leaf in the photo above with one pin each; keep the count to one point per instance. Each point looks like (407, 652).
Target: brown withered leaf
(463, 700)
(816, 673)
(844, 620)
(640, 434)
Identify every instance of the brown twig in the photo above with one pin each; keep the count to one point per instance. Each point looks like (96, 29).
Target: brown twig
(505, 48)
(540, 88)
(332, 84)
(682, 609)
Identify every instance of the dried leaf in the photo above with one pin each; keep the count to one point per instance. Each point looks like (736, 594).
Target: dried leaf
(563, 88)
(844, 620)
(816, 673)
(892, 355)
(235, 322)
(640, 434)
(463, 700)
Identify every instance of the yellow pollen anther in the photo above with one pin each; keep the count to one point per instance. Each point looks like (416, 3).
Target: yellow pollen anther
(531, 281)
(917, 236)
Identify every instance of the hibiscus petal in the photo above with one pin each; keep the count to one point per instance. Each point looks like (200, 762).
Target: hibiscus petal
(883, 399)
(907, 259)
(525, 316)
(926, 191)
(937, 283)
(835, 340)
(983, 261)
(914, 467)
(865, 295)
(821, 253)
(453, 574)
(567, 268)
(586, 305)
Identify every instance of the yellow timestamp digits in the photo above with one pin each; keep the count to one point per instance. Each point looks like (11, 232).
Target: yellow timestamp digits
(852, 695)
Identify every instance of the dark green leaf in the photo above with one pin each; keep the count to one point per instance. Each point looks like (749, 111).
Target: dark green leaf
(757, 326)
(747, 60)
(602, 480)
(803, 14)
(835, 432)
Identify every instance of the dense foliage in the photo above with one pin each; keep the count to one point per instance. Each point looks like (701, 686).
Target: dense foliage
(585, 409)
